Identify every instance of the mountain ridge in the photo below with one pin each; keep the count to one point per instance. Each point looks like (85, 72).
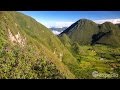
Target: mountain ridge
(83, 31)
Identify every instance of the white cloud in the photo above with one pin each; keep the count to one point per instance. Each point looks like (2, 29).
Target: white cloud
(56, 32)
(114, 21)
(60, 24)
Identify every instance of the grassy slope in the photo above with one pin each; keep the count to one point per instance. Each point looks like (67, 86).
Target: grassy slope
(38, 37)
(112, 38)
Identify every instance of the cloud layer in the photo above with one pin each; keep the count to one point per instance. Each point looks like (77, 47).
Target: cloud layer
(56, 32)
(114, 21)
(60, 24)
(67, 24)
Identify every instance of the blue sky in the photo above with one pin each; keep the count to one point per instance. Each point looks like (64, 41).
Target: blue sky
(66, 18)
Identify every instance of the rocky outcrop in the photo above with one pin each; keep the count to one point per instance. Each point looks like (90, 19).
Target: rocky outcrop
(17, 39)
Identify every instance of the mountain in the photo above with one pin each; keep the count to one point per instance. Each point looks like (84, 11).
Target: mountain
(109, 34)
(30, 50)
(96, 48)
(87, 32)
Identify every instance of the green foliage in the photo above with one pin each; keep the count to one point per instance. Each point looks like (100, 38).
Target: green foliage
(46, 70)
(21, 64)
(65, 40)
(99, 58)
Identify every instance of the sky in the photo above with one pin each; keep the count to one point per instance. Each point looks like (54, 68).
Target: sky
(66, 18)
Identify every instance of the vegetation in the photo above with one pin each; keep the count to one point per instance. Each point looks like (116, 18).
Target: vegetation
(19, 63)
(87, 32)
(95, 47)
(101, 58)
(29, 50)
(40, 43)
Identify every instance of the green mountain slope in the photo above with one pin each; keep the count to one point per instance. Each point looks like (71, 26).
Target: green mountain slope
(96, 48)
(110, 34)
(86, 32)
(25, 44)
(82, 31)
